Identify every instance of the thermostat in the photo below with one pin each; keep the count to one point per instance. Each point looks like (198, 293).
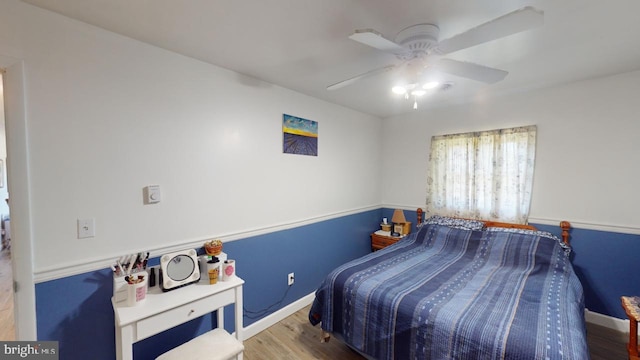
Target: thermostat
(152, 194)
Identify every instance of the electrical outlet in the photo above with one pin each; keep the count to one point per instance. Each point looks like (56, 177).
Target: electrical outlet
(290, 279)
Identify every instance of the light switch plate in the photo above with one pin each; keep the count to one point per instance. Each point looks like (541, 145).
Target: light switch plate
(86, 228)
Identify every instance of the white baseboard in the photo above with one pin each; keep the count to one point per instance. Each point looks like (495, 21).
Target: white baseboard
(610, 322)
(281, 314)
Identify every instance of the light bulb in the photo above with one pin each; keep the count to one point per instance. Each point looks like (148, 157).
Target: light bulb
(430, 85)
(418, 92)
(399, 90)
(415, 104)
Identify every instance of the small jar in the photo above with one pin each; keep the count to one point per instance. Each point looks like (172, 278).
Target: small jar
(213, 247)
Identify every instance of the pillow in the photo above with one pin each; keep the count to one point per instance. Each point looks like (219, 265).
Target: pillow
(546, 234)
(455, 222)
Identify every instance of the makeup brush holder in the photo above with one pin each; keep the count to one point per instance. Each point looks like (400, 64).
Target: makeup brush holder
(137, 290)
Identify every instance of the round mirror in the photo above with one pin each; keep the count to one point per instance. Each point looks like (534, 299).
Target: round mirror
(180, 267)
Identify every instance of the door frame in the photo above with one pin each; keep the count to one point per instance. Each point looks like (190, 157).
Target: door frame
(18, 182)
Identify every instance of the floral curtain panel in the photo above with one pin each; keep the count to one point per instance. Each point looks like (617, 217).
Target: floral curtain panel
(482, 175)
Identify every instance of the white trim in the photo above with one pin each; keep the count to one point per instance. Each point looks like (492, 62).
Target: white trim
(277, 316)
(634, 230)
(412, 208)
(587, 225)
(99, 262)
(19, 183)
(621, 325)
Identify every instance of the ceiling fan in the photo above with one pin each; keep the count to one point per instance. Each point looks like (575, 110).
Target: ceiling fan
(420, 51)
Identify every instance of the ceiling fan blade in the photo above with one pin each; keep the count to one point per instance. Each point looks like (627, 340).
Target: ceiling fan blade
(471, 71)
(511, 23)
(374, 39)
(350, 81)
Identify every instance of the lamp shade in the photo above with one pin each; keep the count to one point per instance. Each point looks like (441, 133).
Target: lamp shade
(398, 216)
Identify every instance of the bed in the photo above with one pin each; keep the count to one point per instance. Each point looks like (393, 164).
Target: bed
(459, 289)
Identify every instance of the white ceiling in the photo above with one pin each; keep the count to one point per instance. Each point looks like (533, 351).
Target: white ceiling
(303, 45)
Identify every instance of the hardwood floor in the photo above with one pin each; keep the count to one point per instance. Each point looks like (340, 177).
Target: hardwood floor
(7, 325)
(606, 344)
(295, 339)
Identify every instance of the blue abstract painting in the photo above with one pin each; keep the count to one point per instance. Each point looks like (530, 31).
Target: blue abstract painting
(300, 136)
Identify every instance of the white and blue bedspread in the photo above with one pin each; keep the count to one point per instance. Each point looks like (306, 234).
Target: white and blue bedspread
(448, 293)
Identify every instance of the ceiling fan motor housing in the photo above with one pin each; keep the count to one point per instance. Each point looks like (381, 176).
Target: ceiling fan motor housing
(418, 39)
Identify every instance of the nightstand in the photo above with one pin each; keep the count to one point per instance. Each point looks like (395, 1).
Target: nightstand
(630, 306)
(381, 239)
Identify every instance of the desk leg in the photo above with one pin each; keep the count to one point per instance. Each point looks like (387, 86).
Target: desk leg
(124, 343)
(220, 314)
(238, 306)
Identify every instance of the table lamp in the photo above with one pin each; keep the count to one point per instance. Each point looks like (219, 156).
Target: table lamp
(398, 220)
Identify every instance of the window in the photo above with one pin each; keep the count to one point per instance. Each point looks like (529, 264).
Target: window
(482, 175)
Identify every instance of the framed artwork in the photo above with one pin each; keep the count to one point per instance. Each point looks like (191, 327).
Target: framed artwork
(299, 136)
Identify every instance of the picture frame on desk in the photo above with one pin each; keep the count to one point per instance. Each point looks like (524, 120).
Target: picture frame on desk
(397, 229)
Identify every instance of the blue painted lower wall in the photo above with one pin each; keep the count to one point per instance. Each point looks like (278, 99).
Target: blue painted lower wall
(77, 312)
(604, 262)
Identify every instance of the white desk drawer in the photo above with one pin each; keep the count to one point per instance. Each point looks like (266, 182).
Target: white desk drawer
(176, 316)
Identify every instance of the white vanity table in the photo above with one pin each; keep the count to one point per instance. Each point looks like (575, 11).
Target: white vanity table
(164, 310)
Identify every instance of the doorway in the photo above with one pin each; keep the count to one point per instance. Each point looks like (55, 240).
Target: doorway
(7, 321)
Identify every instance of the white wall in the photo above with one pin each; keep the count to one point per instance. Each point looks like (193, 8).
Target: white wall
(4, 208)
(587, 148)
(107, 115)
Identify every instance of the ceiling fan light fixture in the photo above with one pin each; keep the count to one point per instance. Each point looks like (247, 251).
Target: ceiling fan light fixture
(420, 48)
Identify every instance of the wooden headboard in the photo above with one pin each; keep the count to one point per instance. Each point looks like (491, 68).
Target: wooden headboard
(564, 225)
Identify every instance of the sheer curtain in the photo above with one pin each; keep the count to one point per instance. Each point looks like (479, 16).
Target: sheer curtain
(482, 175)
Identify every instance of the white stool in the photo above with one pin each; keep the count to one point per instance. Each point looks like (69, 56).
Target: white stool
(216, 344)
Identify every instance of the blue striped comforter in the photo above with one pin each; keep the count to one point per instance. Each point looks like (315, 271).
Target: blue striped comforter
(448, 293)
